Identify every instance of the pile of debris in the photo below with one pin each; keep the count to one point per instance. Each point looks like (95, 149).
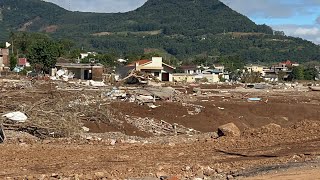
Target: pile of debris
(144, 95)
(136, 77)
(159, 128)
(62, 74)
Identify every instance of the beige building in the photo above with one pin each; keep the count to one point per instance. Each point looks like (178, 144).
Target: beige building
(256, 68)
(4, 58)
(156, 67)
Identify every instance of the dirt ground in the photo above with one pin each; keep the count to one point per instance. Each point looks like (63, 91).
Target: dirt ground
(75, 132)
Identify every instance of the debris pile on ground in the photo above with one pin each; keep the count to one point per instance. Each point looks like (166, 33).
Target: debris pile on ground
(144, 95)
(136, 77)
(159, 128)
(155, 131)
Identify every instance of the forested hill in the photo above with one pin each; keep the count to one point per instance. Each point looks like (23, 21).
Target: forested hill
(182, 28)
(187, 17)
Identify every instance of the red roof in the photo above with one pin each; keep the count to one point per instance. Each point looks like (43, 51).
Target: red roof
(288, 63)
(140, 62)
(22, 61)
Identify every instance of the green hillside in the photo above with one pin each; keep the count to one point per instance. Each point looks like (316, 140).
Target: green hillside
(184, 29)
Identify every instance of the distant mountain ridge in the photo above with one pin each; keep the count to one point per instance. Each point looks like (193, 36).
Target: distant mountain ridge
(180, 27)
(189, 17)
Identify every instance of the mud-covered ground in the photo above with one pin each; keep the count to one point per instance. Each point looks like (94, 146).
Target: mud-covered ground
(119, 145)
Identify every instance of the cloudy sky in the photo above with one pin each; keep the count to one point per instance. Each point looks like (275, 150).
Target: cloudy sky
(300, 18)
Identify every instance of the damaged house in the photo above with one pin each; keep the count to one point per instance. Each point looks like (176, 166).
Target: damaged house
(83, 71)
(156, 67)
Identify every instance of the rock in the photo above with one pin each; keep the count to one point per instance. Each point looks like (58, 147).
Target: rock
(54, 175)
(42, 177)
(197, 178)
(160, 168)
(230, 130)
(99, 174)
(89, 138)
(197, 167)
(76, 177)
(219, 171)
(163, 178)
(30, 177)
(230, 177)
(113, 142)
(218, 176)
(85, 129)
(209, 172)
(188, 168)
(88, 176)
(161, 174)
(24, 145)
(199, 173)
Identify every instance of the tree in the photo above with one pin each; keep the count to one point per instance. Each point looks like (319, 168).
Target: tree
(297, 73)
(310, 73)
(281, 75)
(232, 63)
(13, 62)
(2, 45)
(251, 77)
(44, 54)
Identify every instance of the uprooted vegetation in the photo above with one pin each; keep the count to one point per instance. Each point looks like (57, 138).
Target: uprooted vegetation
(56, 112)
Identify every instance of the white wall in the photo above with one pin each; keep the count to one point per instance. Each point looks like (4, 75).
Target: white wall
(1, 61)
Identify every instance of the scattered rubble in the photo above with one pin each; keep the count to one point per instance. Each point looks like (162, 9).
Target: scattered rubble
(145, 127)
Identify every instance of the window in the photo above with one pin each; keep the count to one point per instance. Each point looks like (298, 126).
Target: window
(157, 74)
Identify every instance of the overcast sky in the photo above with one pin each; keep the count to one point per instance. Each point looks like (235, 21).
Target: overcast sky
(300, 18)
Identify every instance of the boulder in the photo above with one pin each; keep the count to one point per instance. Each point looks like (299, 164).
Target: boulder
(230, 130)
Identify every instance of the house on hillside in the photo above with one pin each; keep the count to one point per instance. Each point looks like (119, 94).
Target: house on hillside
(155, 66)
(4, 58)
(219, 67)
(288, 64)
(191, 69)
(279, 71)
